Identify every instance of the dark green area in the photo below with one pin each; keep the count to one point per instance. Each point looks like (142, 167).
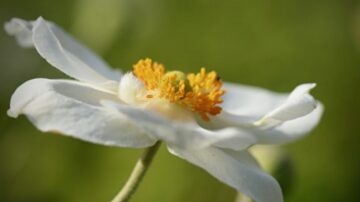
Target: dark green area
(274, 44)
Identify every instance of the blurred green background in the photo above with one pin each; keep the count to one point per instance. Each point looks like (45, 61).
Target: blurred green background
(273, 44)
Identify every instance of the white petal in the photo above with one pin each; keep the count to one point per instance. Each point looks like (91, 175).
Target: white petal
(250, 101)
(298, 104)
(236, 170)
(285, 132)
(271, 117)
(290, 130)
(129, 88)
(183, 134)
(229, 138)
(245, 104)
(63, 51)
(73, 108)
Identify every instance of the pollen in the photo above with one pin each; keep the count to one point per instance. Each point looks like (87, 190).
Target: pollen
(149, 72)
(200, 92)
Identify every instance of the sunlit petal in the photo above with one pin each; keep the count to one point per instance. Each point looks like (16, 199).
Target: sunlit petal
(290, 130)
(63, 52)
(238, 170)
(250, 101)
(186, 134)
(298, 104)
(271, 117)
(73, 108)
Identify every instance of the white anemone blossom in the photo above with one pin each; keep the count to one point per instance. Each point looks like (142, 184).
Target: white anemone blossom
(147, 105)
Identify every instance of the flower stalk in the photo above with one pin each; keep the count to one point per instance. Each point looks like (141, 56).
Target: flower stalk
(138, 173)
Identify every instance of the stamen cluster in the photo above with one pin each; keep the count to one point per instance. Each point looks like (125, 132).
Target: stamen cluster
(199, 92)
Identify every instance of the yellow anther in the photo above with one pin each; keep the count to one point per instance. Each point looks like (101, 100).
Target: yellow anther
(206, 93)
(199, 92)
(149, 72)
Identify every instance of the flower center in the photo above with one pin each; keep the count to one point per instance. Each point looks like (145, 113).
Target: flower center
(199, 92)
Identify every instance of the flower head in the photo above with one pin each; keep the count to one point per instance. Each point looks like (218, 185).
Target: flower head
(149, 104)
(198, 92)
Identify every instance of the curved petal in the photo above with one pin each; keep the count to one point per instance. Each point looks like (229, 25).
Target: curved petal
(185, 134)
(246, 104)
(129, 87)
(250, 101)
(73, 108)
(240, 140)
(290, 130)
(279, 134)
(237, 170)
(63, 51)
(298, 104)
(279, 118)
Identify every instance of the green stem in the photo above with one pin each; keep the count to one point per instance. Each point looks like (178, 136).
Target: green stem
(137, 174)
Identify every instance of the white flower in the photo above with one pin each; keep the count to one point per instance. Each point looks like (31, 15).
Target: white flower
(105, 107)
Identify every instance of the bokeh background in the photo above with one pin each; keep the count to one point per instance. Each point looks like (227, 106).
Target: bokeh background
(273, 44)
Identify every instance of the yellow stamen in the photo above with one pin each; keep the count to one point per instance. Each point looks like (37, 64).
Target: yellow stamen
(149, 72)
(199, 92)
